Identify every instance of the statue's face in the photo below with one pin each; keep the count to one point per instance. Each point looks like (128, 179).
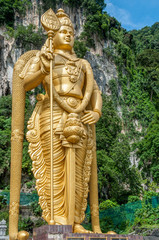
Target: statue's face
(64, 38)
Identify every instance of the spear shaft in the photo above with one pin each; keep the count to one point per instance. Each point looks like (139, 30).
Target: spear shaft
(50, 35)
(51, 24)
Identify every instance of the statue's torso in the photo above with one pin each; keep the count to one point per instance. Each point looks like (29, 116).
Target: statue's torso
(68, 77)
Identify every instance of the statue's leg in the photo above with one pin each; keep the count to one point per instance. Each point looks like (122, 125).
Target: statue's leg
(81, 192)
(70, 184)
(59, 167)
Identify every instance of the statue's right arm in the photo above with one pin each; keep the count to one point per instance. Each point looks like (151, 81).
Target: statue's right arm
(34, 75)
(37, 71)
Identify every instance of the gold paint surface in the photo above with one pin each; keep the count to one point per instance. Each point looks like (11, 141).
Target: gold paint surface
(14, 208)
(17, 135)
(61, 130)
(23, 235)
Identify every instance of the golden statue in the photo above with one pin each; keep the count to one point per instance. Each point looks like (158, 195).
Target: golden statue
(61, 130)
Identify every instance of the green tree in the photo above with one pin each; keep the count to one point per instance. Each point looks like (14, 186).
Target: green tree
(27, 37)
(80, 48)
(9, 7)
(6, 12)
(5, 135)
(5, 140)
(148, 151)
(128, 177)
(116, 178)
(108, 126)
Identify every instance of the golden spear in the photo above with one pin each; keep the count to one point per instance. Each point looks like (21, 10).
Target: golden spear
(51, 24)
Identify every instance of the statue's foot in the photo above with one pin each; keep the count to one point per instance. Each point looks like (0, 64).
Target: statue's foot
(79, 229)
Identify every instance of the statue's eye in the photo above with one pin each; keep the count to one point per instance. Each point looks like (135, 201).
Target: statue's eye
(63, 31)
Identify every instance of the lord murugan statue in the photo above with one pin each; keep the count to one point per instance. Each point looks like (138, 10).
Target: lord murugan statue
(61, 130)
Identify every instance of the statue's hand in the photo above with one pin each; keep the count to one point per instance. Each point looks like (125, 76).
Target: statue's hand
(90, 117)
(45, 57)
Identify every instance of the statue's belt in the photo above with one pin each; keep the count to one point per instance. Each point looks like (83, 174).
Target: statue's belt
(70, 128)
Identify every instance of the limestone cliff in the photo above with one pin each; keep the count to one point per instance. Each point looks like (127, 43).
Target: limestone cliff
(104, 69)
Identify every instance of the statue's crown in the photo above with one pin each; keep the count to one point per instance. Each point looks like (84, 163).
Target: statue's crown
(64, 18)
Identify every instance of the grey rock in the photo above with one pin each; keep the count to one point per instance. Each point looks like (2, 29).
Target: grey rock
(104, 69)
(151, 238)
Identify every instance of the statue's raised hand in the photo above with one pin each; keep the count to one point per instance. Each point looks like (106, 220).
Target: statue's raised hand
(45, 57)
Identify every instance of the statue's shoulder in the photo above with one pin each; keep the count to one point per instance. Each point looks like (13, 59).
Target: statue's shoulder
(26, 59)
(86, 65)
(23, 63)
(85, 62)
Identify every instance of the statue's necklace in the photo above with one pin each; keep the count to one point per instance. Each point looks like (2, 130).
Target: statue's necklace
(73, 69)
(73, 66)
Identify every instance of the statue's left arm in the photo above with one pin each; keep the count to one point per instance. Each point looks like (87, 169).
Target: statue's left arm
(96, 100)
(92, 116)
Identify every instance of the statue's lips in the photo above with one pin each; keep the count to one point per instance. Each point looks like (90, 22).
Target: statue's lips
(68, 39)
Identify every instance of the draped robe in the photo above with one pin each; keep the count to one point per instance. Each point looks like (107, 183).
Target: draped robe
(39, 148)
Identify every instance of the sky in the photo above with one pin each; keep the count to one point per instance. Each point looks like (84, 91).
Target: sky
(134, 14)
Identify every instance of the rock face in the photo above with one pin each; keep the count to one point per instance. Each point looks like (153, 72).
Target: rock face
(103, 68)
(6, 65)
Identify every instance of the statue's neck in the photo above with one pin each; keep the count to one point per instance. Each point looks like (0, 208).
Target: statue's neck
(67, 55)
(62, 51)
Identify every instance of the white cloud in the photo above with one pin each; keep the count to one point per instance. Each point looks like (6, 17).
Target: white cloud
(122, 15)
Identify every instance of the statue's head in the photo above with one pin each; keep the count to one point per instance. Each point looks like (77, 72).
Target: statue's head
(64, 38)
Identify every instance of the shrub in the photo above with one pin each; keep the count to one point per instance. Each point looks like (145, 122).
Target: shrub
(107, 205)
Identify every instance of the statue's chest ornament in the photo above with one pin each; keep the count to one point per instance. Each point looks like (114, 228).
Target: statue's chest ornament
(74, 70)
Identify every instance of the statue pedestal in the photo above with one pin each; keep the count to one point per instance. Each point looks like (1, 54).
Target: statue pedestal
(64, 232)
(51, 232)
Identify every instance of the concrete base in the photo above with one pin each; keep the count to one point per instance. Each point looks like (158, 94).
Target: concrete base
(4, 237)
(59, 232)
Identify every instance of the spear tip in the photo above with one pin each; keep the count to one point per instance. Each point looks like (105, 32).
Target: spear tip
(50, 21)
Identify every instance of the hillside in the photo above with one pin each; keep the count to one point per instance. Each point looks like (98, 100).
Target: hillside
(126, 68)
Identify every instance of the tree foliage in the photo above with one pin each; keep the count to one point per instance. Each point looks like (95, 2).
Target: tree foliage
(5, 134)
(148, 151)
(113, 154)
(5, 144)
(9, 7)
(147, 37)
(27, 37)
(80, 48)
(148, 214)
